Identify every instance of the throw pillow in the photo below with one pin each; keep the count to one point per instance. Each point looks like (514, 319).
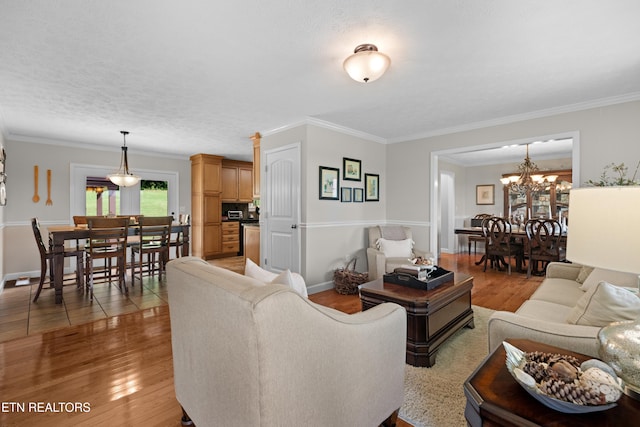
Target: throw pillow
(605, 303)
(284, 278)
(395, 248)
(610, 276)
(584, 273)
(254, 271)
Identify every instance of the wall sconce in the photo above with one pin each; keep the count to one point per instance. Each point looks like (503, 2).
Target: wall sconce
(366, 64)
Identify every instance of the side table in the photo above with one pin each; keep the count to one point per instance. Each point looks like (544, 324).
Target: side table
(494, 398)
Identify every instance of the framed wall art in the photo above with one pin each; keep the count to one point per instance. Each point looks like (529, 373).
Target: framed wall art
(371, 187)
(329, 185)
(345, 194)
(351, 169)
(358, 195)
(485, 194)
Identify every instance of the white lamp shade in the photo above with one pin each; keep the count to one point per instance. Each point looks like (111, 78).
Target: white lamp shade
(366, 65)
(123, 180)
(604, 228)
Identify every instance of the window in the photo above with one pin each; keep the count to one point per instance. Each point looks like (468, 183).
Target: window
(154, 198)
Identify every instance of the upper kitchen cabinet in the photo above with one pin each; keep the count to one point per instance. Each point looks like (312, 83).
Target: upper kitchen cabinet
(256, 165)
(237, 181)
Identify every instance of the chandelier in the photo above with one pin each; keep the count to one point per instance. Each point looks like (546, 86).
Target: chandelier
(124, 178)
(529, 180)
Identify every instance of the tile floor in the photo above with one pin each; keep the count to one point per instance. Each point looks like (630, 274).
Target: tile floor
(20, 316)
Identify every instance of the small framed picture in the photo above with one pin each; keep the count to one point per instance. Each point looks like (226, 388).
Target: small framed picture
(351, 169)
(345, 194)
(358, 195)
(371, 187)
(329, 185)
(485, 194)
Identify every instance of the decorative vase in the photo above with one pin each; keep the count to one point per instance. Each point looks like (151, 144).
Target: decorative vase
(619, 347)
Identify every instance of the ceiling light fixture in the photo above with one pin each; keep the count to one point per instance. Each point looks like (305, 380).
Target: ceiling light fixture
(124, 178)
(366, 64)
(530, 180)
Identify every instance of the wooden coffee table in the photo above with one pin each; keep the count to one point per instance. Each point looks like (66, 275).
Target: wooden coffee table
(432, 316)
(494, 398)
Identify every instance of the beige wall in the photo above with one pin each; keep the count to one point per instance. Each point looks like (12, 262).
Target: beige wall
(332, 231)
(2, 209)
(19, 252)
(606, 134)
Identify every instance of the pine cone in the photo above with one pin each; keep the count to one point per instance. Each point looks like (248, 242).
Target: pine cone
(573, 392)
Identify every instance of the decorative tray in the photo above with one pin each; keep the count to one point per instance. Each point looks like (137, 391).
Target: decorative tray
(592, 375)
(437, 276)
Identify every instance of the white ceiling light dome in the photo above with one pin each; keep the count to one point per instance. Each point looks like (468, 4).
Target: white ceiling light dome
(366, 64)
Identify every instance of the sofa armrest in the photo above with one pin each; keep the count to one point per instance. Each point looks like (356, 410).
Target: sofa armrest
(563, 270)
(504, 324)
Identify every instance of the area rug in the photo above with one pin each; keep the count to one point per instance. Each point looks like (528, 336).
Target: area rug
(434, 397)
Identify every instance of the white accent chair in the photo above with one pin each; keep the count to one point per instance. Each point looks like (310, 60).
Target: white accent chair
(247, 353)
(379, 264)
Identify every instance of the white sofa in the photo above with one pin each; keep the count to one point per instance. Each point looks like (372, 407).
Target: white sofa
(544, 317)
(246, 353)
(381, 262)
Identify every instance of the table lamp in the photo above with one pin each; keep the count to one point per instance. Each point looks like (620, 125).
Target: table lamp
(604, 231)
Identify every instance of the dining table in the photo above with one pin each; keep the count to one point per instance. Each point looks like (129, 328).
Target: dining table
(59, 234)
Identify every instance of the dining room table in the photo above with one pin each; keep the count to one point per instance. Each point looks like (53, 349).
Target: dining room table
(59, 234)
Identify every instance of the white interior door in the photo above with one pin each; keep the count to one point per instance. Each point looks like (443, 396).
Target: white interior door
(281, 207)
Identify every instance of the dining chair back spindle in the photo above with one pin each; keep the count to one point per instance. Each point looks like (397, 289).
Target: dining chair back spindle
(108, 240)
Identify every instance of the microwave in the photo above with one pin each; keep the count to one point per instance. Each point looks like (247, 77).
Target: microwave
(234, 214)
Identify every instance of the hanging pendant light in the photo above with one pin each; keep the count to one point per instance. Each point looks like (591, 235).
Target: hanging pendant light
(366, 64)
(124, 178)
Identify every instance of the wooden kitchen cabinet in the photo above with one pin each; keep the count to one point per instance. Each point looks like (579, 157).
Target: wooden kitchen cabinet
(252, 243)
(256, 165)
(230, 237)
(237, 181)
(206, 205)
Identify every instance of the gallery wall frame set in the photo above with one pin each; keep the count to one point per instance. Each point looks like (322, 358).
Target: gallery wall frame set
(329, 183)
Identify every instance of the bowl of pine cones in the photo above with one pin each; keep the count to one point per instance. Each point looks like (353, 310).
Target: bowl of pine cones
(562, 383)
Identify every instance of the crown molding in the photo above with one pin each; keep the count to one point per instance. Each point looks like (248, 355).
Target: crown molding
(85, 146)
(571, 108)
(326, 125)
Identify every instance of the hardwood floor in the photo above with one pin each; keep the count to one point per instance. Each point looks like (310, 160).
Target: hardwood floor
(118, 370)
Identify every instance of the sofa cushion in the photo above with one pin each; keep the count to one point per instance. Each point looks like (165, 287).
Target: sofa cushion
(284, 278)
(610, 276)
(559, 291)
(605, 303)
(544, 310)
(395, 248)
(584, 273)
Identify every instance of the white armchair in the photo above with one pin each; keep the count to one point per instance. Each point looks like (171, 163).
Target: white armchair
(395, 237)
(247, 353)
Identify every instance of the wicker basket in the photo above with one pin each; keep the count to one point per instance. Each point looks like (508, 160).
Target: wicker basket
(346, 280)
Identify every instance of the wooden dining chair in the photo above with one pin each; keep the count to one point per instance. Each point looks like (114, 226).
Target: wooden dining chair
(176, 240)
(47, 255)
(476, 221)
(500, 244)
(544, 239)
(107, 240)
(153, 241)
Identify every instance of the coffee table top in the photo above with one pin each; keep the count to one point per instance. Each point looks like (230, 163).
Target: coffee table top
(502, 400)
(396, 292)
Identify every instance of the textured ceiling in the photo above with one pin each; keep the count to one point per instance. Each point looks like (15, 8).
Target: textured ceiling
(202, 76)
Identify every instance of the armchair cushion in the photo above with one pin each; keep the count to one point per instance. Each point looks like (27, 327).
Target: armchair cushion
(396, 248)
(605, 303)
